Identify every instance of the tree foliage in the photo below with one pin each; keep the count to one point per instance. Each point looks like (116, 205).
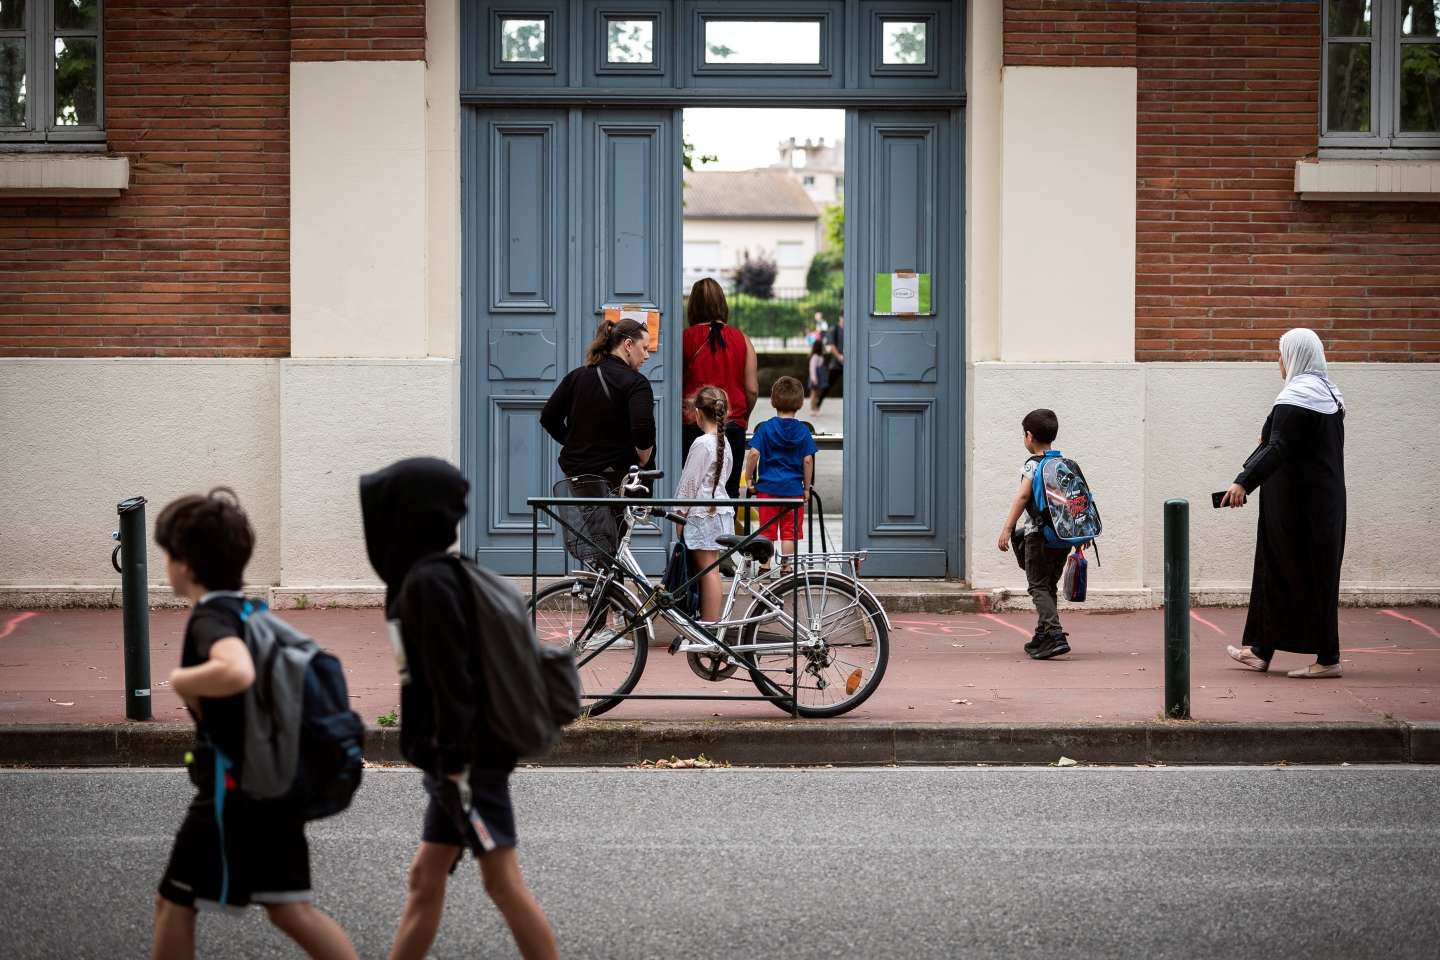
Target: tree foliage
(756, 276)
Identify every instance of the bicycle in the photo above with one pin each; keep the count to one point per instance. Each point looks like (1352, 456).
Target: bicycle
(838, 635)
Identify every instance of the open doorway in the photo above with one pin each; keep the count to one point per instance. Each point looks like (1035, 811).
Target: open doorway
(764, 216)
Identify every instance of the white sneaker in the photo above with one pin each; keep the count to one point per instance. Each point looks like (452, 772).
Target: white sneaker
(1316, 672)
(1243, 655)
(603, 635)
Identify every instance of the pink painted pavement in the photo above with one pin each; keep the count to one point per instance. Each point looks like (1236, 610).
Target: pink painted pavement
(64, 666)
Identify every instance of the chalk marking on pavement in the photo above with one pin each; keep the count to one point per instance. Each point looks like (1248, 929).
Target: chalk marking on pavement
(15, 621)
(1005, 623)
(1389, 613)
(1199, 619)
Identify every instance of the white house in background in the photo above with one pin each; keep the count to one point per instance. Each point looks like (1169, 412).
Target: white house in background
(764, 212)
(818, 166)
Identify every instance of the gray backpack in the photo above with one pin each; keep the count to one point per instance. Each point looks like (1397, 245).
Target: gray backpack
(530, 691)
(304, 746)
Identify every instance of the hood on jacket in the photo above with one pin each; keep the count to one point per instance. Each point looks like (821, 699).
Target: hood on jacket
(410, 510)
(788, 434)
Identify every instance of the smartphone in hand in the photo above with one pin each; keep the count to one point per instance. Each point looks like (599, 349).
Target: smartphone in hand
(1215, 499)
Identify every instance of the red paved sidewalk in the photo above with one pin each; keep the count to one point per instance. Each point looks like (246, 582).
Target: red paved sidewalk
(64, 666)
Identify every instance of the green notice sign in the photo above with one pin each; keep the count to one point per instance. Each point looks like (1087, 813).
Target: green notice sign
(903, 293)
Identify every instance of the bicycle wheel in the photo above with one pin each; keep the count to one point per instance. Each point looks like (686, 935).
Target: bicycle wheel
(853, 650)
(610, 659)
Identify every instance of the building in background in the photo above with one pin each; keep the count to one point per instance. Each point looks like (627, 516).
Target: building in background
(818, 166)
(762, 213)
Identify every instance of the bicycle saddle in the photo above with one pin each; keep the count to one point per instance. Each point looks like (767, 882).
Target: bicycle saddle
(761, 549)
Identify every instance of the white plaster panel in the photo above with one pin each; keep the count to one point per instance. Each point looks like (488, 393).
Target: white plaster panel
(985, 37)
(358, 207)
(340, 419)
(80, 435)
(1101, 410)
(442, 174)
(1204, 419)
(1067, 209)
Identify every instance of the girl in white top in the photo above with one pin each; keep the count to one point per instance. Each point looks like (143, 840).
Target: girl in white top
(706, 466)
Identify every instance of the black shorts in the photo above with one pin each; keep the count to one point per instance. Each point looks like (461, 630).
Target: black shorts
(487, 825)
(263, 859)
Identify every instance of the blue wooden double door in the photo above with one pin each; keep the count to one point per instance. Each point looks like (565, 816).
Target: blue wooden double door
(568, 211)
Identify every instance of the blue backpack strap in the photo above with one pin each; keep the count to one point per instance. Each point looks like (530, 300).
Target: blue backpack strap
(222, 766)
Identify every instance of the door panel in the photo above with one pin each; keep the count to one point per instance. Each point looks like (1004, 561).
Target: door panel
(904, 174)
(566, 212)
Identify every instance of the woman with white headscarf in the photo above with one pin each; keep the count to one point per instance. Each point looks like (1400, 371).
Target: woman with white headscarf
(1295, 593)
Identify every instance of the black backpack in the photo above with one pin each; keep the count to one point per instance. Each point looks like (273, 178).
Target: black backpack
(304, 746)
(531, 691)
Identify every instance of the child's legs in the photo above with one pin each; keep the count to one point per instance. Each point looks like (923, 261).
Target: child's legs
(712, 592)
(506, 887)
(316, 933)
(1040, 583)
(425, 901)
(174, 931)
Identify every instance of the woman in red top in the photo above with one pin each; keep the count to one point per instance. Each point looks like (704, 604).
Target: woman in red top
(716, 354)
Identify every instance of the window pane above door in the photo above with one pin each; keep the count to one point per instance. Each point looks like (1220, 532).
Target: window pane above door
(630, 41)
(762, 41)
(903, 43)
(522, 41)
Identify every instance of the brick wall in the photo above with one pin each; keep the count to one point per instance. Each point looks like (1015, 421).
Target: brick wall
(321, 30)
(1069, 33)
(1227, 256)
(193, 259)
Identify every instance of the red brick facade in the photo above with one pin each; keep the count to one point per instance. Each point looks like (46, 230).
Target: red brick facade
(1070, 33)
(192, 259)
(1227, 256)
(321, 30)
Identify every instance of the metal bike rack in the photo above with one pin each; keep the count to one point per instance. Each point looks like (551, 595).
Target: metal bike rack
(659, 598)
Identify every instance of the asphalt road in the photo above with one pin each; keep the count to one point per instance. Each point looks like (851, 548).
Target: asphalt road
(912, 863)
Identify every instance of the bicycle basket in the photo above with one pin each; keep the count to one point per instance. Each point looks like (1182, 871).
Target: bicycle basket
(599, 524)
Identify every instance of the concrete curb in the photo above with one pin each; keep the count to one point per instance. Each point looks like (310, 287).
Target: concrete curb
(816, 742)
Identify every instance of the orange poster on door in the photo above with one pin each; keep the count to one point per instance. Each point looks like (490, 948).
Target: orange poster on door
(634, 311)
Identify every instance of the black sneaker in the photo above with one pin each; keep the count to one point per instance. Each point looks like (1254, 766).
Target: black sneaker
(1054, 645)
(1033, 644)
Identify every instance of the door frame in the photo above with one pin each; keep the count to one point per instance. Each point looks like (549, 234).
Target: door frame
(571, 80)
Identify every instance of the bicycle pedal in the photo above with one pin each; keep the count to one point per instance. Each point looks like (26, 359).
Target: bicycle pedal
(675, 645)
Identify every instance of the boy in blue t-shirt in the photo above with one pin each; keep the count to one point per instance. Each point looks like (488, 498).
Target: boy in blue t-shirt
(784, 449)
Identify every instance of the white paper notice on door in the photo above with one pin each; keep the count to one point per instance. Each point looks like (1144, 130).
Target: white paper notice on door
(905, 293)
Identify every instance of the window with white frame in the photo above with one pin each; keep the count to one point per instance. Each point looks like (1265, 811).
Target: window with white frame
(790, 253)
(1380, 89)
(701, 256)
(50, 70)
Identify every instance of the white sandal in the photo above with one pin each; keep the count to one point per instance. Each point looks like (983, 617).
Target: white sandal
(1316, 672)
(1244, 656)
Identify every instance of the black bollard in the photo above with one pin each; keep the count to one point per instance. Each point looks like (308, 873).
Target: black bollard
(1177, 609)
(135, 600)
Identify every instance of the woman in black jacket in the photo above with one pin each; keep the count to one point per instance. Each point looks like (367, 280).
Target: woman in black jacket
(603, 413)
(1295, 593)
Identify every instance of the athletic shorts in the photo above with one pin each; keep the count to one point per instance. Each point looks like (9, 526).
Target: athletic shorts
(258, 858)
(791, 525)
(489, 822)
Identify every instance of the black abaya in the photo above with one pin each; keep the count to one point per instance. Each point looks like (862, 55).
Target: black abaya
(1295, 593)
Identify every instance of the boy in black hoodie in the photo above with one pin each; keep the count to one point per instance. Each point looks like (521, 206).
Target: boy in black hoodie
(410, 511)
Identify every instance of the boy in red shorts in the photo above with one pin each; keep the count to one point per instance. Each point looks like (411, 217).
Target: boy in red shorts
(784, 450)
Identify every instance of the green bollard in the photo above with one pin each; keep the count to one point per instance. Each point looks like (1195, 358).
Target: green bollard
(135, 600)
(1177, 609)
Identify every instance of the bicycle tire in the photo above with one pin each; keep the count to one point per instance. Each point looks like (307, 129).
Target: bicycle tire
(870, 614)
(610, 673)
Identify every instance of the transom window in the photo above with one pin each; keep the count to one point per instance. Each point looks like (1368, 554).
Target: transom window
(629, 40)
(762, 41)
(1381, 84)
(50, 72)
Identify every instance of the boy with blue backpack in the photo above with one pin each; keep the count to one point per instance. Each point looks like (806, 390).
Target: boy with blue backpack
(1060, 515)
(232, 848)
